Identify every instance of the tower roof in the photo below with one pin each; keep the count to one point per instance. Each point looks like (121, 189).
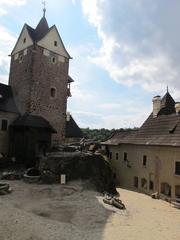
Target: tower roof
(40, 31)
(167, 105)
(42, 28)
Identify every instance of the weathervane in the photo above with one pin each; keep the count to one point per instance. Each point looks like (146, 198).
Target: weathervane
(44, 9)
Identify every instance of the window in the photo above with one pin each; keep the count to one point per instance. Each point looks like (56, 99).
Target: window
(177, 191)
(4, 125)
(136, 182)
(177, 168)
(55, 43)
(144, 160)
(144, 183)
(151, 185)
(53, 60)
(166, 189)
(117, 156)
(24, 40)
(53, 92)
(110, 155)
(20, 58)
(125, 156)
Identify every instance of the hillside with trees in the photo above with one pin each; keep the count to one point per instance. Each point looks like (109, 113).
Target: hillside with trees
(100, 134)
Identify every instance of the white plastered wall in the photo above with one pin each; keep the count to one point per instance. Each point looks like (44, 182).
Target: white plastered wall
(48, 43)
(20, 45)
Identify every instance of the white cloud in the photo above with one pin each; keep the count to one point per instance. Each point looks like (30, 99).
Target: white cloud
(5, 4)
(74, 2)
(140, 41)
(12, 2)
(7, 41)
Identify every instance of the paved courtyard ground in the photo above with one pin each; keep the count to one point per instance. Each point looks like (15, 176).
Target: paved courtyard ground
(74, 212)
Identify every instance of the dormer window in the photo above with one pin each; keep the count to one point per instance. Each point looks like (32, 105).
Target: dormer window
(24, 40)
(55, 43)
(53, 92)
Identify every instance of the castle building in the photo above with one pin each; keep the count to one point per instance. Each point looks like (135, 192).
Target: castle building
(148, 159)
(33, 106)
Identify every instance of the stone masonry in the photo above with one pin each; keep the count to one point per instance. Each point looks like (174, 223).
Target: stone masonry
(32, 76)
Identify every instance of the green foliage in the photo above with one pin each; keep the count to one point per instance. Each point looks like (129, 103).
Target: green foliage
(100, 134)
(97, 134)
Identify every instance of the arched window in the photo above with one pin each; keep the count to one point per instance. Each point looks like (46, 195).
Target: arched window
(53, 92)
(53, 60)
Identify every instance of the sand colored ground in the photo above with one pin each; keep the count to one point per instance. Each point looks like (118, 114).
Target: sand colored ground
(72, 212)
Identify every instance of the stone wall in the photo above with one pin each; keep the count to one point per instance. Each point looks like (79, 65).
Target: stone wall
(47, 75)
(32, 75)
(20, 78)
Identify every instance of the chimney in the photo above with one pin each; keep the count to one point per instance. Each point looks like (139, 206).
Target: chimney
(156, 105)
(68, 116)
(177, 107)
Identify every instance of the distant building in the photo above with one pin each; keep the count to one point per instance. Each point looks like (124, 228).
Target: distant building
(148, 160)
(33, 105)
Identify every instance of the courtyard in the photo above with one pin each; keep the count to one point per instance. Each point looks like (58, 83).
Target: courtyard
(75, 211)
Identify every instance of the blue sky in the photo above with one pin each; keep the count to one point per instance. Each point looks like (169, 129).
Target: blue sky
(124, 52)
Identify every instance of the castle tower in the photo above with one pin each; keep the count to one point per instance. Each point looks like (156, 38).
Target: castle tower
(39, 75)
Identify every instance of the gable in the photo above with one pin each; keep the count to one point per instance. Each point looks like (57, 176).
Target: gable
(23, 41)
(49, 40)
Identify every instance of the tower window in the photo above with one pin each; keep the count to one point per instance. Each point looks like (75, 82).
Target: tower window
(53, 60)
(55, 43)
(53, 92)
(144, 161)
(4, 125)
(117, 156)
(24, 40)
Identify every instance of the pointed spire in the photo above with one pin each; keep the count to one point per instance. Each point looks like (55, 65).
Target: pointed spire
(41, 29)
(167, 89)
(44, 9)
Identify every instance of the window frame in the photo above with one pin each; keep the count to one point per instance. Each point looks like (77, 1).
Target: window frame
(54, 60)
(125, 156)
(55, 43)
(53, 92)
(144, 161)
(7, 125)
(175, 171)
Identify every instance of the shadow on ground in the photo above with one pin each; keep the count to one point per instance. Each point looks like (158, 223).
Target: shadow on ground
(40, 212)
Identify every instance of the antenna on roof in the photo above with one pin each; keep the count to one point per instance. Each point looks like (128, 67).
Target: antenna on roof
(44, 9)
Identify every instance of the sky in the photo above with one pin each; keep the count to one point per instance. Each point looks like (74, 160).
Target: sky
(124, 53)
